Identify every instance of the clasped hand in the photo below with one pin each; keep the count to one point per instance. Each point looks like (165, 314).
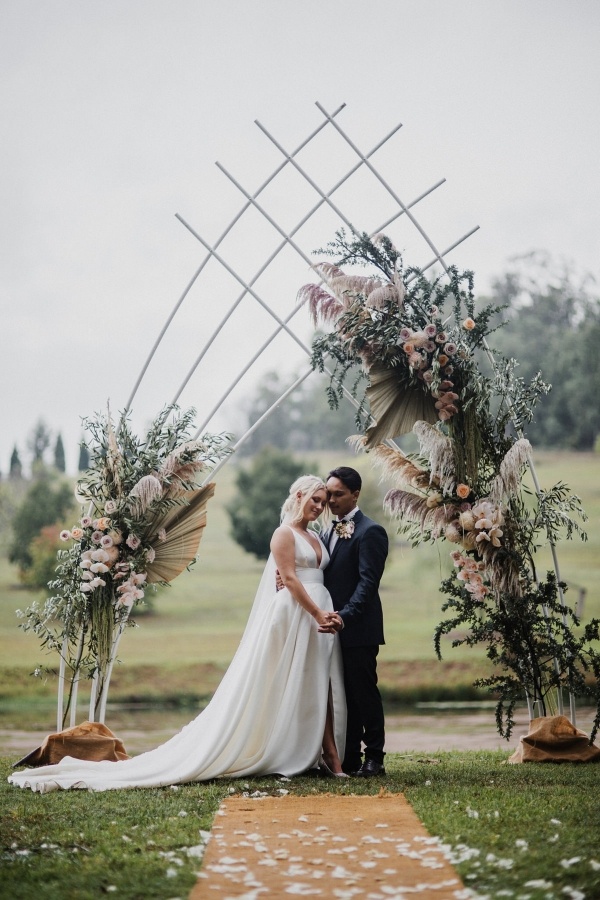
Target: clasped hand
(330, 623)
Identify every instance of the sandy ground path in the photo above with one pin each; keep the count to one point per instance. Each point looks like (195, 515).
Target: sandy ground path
(328, 846)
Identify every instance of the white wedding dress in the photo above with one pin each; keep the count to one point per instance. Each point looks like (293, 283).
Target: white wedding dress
(267, 716)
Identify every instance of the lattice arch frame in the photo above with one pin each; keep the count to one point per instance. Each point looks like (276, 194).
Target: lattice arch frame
(290, 238)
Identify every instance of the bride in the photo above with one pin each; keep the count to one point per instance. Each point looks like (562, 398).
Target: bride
(280, 707)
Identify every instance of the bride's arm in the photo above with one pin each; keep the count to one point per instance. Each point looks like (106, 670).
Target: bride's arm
(284, 551)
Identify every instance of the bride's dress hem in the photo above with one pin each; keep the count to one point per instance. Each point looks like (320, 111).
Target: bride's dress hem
(266, 717)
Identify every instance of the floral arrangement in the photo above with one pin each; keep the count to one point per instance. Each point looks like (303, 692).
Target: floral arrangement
(143, 513)
(344, 530)
(432, 372)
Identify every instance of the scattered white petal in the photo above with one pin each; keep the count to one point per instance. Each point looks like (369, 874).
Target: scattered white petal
(472, 813)
(171, 873)
(182, 814)
(196, 852)
(567, 863)
(174, 787)
(573, 893)
(539, 883)
(594, 864)
(505, 863)
(125, 838)
(302, 889)
(282, 791)
(110, 888)
(428, 782)
(283, 778)
(303, 818)
(381, 825)
(522, 845)
(553, 839)
(555, 822)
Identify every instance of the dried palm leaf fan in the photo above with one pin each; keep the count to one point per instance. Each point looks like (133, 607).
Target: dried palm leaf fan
(183, 527)
(395, 406)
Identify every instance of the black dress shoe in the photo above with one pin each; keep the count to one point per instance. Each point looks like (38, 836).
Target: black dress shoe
(370, 768)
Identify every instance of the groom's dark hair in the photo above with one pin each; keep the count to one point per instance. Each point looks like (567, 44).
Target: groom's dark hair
(349, 477)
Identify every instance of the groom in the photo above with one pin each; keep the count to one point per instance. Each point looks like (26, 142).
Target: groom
(358, 548)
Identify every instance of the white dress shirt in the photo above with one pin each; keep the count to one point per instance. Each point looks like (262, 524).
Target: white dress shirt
(332, 539)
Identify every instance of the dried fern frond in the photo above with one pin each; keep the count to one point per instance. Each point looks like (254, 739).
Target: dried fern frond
(502, 572)
(327, 270)
(183, 526)
(357, 442)
(399, 467)
(172, 465)
(113, 455)
(413, 508)
(321, 304)
(347, 286)
(437, 447)
(144, 493)
(382, 296)
(508, 480)
(395, 406)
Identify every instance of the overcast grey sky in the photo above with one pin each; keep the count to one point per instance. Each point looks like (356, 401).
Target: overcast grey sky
(114, 113)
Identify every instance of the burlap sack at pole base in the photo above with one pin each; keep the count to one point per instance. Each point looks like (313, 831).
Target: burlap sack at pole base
(90, 740)
(555, 739)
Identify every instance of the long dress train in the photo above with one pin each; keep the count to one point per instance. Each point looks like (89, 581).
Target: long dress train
(267, 715)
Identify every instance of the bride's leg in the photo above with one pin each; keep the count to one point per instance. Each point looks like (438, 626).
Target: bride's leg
(330, 754)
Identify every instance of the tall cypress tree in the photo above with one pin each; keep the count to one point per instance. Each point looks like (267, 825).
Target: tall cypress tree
(16, 469)
(59, 454)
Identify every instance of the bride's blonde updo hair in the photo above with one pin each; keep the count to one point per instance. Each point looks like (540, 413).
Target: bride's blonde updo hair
(293, 508)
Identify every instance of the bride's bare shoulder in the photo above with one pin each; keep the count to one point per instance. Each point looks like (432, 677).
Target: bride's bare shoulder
(283, 534)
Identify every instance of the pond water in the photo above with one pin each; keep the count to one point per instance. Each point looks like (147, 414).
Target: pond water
(425, 729)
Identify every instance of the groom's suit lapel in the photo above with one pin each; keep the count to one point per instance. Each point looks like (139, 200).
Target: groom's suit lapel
(346, 541)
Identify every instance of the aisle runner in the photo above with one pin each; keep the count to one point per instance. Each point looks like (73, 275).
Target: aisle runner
(327, 846)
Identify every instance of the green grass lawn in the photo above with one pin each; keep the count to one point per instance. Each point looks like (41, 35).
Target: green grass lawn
(180, 649)
(508, 829)
(508, 825)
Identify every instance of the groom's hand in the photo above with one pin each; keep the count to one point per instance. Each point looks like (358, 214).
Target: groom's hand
(333, 625)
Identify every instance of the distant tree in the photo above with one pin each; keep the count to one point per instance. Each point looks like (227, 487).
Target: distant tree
(16, 469)
(38, 443)
(46, 502)
(43, 550)
(59, 454)
(303, 422)
(552, 326)
(262, 488)
(84, 458)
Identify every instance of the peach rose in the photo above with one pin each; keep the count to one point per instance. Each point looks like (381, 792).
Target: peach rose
(463, 491)
(469, 324)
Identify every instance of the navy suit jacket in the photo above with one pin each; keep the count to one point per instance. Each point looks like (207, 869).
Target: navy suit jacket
(352, 578)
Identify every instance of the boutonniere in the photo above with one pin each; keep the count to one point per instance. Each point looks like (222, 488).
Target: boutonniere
(344, 529)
